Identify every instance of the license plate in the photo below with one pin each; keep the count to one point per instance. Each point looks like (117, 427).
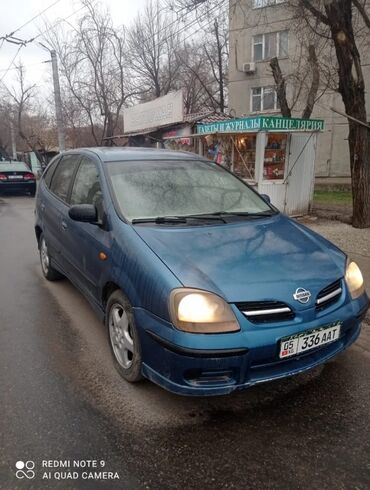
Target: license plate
(15, 177)
(311, 339)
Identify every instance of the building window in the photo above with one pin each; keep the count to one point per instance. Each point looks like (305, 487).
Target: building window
(257, 4)
(264, 99)
(267, 46)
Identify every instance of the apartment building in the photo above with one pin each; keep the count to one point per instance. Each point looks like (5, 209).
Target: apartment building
(261, 30)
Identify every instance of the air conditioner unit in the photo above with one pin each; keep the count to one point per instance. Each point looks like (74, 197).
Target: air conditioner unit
(249, 67)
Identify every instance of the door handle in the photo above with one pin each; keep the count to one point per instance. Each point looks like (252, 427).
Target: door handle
(64, 225)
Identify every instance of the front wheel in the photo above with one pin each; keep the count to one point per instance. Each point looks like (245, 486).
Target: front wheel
(48, 271)
(123, 337)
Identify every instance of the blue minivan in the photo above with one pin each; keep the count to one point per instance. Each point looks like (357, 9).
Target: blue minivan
(204, 287)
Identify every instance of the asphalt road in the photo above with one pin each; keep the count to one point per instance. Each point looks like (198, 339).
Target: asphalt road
(61, 399)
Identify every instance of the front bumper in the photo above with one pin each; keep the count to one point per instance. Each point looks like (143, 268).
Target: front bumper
(204, 365)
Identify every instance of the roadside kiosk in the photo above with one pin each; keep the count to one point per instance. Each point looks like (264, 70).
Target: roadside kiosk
(275, 155)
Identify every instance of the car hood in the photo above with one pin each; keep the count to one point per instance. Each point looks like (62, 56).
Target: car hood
(249, 260)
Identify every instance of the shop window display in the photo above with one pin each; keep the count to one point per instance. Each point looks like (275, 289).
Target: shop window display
(218, 149)
(275, 156)
(245, 156)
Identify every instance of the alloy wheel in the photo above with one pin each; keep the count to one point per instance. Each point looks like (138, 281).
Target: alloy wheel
(121, 336)
(44, 256)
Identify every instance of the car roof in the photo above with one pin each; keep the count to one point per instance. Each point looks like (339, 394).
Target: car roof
(121, 154)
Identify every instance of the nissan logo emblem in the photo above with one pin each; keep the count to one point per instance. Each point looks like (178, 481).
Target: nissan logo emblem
(302, 295)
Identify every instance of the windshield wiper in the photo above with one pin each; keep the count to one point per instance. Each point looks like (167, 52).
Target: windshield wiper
(246, 213)
(217, 216)
(210, 216)
(179, 219)
(160, 219)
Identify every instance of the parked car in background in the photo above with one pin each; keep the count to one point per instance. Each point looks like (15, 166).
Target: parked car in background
(203, 285)
(17, 177)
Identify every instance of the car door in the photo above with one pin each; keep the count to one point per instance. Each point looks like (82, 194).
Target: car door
(54, 207)
(87, 242)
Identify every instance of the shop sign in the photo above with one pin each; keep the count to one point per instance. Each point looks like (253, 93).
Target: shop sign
(158, 112)
(261, 123)
(176, 133)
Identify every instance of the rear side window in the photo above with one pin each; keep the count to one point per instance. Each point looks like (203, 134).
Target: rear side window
(62, 176)
(48, 174)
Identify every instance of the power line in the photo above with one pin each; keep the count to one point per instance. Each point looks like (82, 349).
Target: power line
(25, 66)
(29, 21)
(58, 22)
(207, 24)
(11, 63)
(34, 38)
(182, 29)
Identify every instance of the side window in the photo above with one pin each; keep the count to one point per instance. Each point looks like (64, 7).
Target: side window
(62, 176)
(86, 188)
(48, 174)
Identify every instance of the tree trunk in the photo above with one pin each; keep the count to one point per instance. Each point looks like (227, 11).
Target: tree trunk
(359, 147)
(312, 59)
(352, 90)
(280, 88)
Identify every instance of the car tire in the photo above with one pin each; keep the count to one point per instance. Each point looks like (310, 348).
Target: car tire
(123, 337)
(48, 271)
(32, 193)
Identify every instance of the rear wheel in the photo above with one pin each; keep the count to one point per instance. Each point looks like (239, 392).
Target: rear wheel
(48, 271)
(123, 337)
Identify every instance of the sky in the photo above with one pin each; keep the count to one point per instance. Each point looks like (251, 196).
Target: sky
(18, 12)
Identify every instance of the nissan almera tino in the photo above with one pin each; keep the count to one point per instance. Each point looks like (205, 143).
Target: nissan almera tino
(204, 287)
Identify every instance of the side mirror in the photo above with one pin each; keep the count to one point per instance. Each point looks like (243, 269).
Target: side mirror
(266, 198)
(86, 213)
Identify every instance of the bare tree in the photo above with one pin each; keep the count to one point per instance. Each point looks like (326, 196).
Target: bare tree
(33, 124)
(21, 98)
(204, 57)
(94, 72)
(300, 81)
(336, 20)
(153, 41)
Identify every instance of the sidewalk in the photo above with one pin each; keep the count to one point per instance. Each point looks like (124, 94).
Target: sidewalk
(333, 183)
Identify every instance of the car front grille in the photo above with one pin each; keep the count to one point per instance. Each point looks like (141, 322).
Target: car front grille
(266, 311)
(329, 295)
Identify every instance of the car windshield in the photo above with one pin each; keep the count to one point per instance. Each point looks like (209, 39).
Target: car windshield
(180, 188)
(13, 167)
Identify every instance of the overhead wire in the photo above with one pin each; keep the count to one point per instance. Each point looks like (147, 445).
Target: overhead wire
(59, 21)
(6, 70)
(29, 21)
(11, 63)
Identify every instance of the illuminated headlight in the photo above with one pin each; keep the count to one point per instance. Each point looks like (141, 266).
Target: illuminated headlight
(354, 279)
(196, 311)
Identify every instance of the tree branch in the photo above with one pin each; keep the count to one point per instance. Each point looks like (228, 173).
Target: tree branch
(361, 8)
(315, 12)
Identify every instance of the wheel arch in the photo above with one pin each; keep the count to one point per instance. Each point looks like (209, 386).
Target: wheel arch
(109, 288)
(38, 232)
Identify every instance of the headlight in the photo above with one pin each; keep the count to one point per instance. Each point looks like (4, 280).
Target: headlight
(196, 311)
(354, 279)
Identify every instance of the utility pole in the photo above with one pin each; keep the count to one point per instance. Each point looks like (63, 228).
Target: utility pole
(58, 101)
(12, 137)
(57, 97)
